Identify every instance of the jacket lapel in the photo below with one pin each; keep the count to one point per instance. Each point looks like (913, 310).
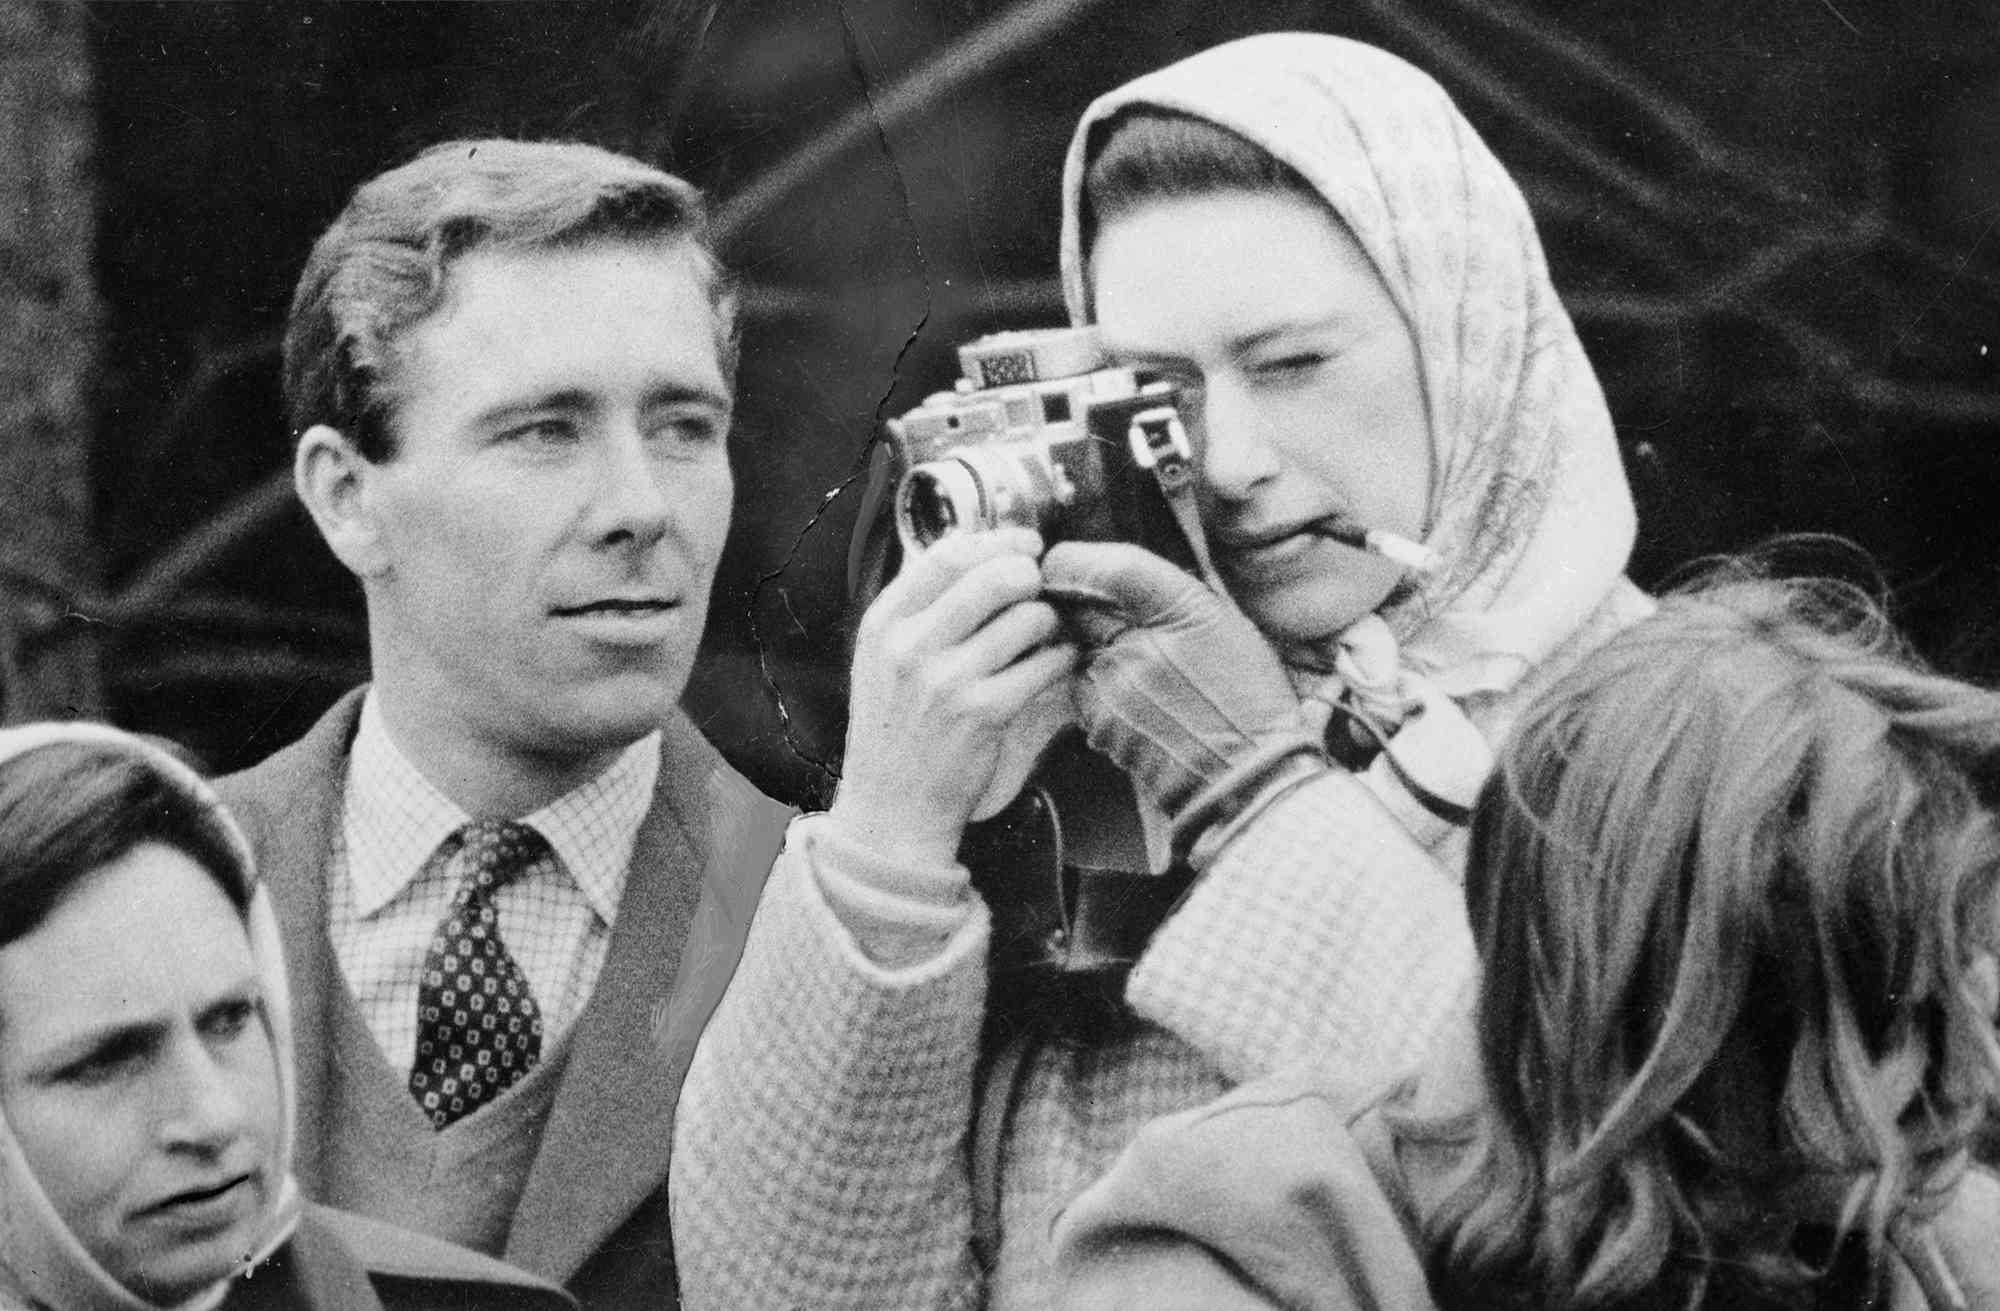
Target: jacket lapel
(701, 857)
(288, 806)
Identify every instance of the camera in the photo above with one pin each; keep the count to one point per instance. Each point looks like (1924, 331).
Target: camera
(1041, 432)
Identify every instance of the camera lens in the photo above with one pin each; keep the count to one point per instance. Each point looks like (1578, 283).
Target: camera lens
(937, 498)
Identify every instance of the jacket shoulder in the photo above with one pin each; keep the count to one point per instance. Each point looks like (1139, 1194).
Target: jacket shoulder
(310, 765)
(686, 755)
(722, 811)
(410, 1271)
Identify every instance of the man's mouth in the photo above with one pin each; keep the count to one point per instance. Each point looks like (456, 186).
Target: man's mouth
(637, 606)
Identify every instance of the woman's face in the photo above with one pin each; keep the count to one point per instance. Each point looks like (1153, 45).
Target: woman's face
(1311, 402)
(138, 1076)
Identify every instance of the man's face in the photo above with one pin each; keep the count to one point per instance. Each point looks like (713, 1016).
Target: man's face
(549, 526)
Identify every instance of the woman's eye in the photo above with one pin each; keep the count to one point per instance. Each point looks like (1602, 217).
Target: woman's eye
(229, 1019)
(1296, 365)
(101, 1067)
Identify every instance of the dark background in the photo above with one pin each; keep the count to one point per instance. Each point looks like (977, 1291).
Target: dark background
(1772, 220)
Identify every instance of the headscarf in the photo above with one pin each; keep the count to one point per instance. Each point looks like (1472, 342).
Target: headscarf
(42, 1263)
(1530, 511)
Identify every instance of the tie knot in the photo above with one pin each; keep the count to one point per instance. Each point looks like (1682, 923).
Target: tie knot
(497, 851)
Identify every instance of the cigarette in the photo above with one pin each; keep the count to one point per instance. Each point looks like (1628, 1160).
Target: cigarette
(1414, 556)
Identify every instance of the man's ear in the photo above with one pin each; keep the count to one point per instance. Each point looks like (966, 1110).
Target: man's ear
(334, 480)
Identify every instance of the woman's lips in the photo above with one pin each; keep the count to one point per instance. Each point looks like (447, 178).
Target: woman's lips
(1266, 550)
(208, 1207)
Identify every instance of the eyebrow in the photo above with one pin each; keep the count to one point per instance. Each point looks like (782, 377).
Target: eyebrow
(126, 1035)
(580, 400)
(1251, 341)
(1243, 345)
(111, 1039)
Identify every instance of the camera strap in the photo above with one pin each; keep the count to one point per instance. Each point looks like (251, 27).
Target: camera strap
(1159, 444)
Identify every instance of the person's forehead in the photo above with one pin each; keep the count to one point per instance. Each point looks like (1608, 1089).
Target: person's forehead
(507, 313)
(131, 941)
(485, 274)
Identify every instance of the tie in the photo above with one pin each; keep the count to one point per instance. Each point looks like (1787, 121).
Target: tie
(479, 1029)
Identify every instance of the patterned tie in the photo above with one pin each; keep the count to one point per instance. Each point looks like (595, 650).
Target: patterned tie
(479, 1029)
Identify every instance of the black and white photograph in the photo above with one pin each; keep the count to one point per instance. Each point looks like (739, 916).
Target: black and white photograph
(984, 655)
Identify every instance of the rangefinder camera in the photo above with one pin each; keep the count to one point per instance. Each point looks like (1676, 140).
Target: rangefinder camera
(1041, 432)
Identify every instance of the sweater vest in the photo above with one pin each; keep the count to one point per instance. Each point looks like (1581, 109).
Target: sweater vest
(384, 1159)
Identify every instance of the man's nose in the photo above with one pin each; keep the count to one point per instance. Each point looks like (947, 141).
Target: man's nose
(1236, 452)
(630, 503)
(205, 1099)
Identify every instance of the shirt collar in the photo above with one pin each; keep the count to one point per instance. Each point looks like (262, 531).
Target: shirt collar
(395, 818)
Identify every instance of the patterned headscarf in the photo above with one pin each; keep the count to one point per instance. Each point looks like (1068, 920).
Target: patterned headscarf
(42, 1263)
(1530, 511)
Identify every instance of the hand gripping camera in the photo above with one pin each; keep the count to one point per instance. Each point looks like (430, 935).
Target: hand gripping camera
(1040, 432)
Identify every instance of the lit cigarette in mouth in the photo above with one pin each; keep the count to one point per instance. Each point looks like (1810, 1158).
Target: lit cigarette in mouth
(1414, 556)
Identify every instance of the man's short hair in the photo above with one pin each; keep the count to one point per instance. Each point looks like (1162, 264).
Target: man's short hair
(381, 267)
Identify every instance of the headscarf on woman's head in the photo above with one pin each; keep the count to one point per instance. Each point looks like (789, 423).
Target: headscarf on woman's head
(42, 1263)
(1530, 511)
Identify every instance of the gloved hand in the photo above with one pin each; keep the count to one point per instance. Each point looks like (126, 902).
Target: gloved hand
(1178, 686)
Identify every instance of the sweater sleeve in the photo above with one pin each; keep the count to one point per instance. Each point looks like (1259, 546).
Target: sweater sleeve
(1261, 1200)
(818, 1147)
(1321, 933)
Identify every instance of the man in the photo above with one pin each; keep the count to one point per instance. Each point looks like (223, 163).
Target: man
(512, 877)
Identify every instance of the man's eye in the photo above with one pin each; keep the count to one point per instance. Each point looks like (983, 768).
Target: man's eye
(543, 432)
(690, 429)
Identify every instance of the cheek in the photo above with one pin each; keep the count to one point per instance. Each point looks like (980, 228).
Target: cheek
(473, 528)
(256, 1068)
(83, 1149)
(711, 492)
(1372, 442)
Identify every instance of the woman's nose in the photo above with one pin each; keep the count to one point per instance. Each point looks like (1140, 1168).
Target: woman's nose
(205, 1102)
(1236, 451)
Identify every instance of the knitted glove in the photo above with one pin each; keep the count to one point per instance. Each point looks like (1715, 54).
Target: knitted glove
(1178, 687)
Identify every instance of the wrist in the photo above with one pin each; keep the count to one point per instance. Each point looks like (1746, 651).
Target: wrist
(892, 834)
(897, 913)
(1225, 804)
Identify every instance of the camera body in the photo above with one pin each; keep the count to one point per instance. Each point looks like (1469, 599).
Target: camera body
(1042, 433)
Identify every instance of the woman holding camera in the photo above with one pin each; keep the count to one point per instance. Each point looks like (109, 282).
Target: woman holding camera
(145, 1061)
(1306, 234)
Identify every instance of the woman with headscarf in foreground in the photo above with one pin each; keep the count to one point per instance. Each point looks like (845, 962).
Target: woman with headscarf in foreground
(145, 1062)
(1306, 234)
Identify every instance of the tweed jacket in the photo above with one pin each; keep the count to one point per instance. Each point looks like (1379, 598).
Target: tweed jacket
(593, 1215)
(337, 1261)
(1297, 1192)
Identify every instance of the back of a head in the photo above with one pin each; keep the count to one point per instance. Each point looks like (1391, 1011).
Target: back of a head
(381, 267)
(1727, 882)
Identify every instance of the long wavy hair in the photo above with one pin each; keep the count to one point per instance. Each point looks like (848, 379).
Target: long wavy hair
(1731, 882)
